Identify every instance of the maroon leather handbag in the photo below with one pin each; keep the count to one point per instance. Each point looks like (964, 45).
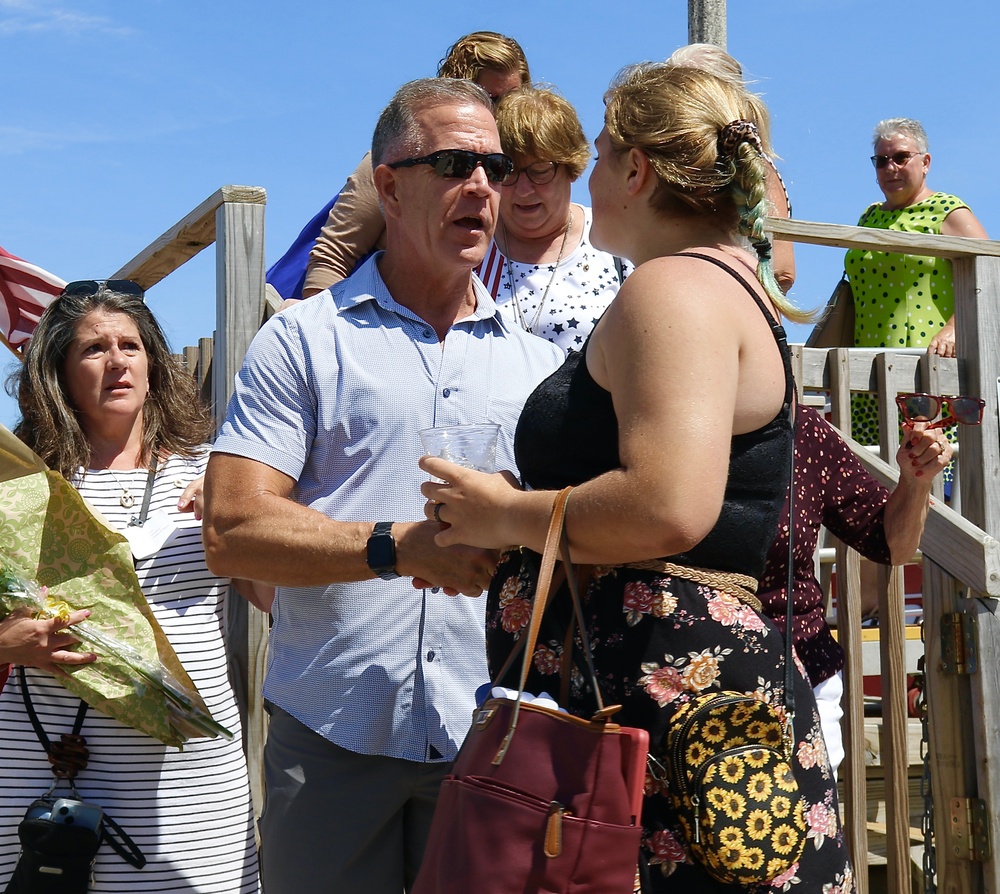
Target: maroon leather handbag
(539, 800)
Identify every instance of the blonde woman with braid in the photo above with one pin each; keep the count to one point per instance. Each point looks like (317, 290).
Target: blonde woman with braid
(711, 58)
(674, 425)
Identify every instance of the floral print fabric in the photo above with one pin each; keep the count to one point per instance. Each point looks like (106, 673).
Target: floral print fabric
(657, 641)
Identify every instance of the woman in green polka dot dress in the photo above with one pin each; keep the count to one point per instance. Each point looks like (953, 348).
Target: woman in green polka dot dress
(904, 301)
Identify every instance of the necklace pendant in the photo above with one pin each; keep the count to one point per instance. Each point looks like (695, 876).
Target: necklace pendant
(126, 499)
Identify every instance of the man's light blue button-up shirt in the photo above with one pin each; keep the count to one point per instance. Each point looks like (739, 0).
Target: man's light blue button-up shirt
(333, 393)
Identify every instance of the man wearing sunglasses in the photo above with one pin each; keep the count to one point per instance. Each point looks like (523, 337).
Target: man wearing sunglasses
(314, 486)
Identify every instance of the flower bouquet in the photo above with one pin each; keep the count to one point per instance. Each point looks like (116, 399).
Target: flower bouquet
(60, 555)
(185, 714)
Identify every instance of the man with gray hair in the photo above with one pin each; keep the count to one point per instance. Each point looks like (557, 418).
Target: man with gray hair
(314, 486)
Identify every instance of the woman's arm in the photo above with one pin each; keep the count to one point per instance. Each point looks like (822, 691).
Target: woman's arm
(670, 356)
(354, 228)
(961, 222)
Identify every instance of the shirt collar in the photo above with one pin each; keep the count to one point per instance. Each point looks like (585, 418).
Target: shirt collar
(366, 284)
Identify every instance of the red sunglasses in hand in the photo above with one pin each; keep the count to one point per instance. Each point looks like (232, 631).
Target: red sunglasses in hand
(925, 407)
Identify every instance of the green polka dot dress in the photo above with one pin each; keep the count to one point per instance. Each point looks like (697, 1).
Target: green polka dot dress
(900, 301)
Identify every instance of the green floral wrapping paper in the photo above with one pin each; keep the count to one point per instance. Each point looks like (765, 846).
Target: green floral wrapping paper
(50, 535)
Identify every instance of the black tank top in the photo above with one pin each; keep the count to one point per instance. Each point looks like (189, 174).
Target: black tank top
(568, 434)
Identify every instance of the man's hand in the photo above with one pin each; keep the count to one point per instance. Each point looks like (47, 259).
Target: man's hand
(456, 569)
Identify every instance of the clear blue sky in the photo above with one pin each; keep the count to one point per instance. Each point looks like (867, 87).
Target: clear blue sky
(121, 116)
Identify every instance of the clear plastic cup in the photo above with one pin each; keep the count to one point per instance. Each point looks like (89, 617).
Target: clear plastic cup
(472, 446)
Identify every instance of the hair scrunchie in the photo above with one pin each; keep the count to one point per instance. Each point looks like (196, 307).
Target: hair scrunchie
(736, 132)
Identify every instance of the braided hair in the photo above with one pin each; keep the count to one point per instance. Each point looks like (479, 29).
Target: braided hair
(698, 132)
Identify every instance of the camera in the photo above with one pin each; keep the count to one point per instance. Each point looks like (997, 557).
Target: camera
(67, 812)
(59, 839)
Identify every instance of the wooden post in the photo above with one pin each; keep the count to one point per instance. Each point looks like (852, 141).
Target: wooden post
(707, 22)
(977, 314)
(239, 311)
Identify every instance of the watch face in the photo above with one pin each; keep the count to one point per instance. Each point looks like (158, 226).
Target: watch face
(381, 553)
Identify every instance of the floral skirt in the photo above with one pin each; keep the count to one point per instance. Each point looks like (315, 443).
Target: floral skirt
(657, 641)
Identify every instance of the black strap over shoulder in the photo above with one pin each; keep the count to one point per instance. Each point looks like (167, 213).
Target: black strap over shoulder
(777, 330)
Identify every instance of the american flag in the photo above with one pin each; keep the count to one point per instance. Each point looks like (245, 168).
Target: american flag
(26, 291)
(490, 270)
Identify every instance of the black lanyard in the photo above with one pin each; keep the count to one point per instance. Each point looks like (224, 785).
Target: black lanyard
(137, 521)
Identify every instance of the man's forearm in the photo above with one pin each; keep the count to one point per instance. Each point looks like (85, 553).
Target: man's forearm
(284, 543)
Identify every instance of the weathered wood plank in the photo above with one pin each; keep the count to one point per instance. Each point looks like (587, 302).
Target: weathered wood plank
(852, 770)
(949, 701)
(841, 236)
(977, 312)
(186, 238)
(239, 312)
(894, 727)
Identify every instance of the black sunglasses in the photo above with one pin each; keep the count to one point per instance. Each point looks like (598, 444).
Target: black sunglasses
(87, 288)
(540, 173)
(457, 164)
(897, 158)
(925, 407)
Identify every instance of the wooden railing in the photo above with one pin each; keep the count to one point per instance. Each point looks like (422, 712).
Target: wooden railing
(961, 558)
(233, 219)
(961, 579)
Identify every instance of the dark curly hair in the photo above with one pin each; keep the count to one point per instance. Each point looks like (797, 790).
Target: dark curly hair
(174, 419)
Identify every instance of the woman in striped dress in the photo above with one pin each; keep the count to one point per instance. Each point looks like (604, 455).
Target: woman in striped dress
(104, 403)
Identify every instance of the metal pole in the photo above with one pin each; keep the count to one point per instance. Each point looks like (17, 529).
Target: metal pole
(707, 22)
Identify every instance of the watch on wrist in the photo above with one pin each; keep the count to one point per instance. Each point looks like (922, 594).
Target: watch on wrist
(380, 551)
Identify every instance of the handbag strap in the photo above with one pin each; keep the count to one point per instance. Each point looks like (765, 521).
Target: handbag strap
(553, 541)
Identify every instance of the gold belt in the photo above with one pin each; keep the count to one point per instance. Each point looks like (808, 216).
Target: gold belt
(742, 586)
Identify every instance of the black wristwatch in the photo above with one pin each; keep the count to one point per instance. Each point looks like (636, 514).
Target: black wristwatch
(381, 551)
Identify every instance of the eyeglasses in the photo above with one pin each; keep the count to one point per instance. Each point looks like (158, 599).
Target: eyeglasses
(897, 158)
(86, 288)
(540, 173)
(457, 164)
(925, 407)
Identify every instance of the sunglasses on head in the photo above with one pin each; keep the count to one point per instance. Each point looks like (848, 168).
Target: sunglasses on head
(457, 164)
(925, 407)
(897, 158)
(540, 173)
(86, 288)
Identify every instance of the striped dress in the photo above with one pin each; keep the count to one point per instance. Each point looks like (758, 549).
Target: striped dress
(188, 811)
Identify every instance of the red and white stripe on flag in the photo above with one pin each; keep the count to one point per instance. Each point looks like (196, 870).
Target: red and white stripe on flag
(26, 291)
(490, 271)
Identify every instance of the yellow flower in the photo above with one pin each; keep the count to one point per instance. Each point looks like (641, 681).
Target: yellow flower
(776, 866)
(713, 730)
(717, 797)
(731, 837)
(753, 859)
(759, 787)
(734, 806)
(784, 839)
(731, 857)
(757, 730)
(731, 769)
(696, 753)
(741, 714)
(784, 778)
(756, 758)
(759, 824)
(781, 807)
